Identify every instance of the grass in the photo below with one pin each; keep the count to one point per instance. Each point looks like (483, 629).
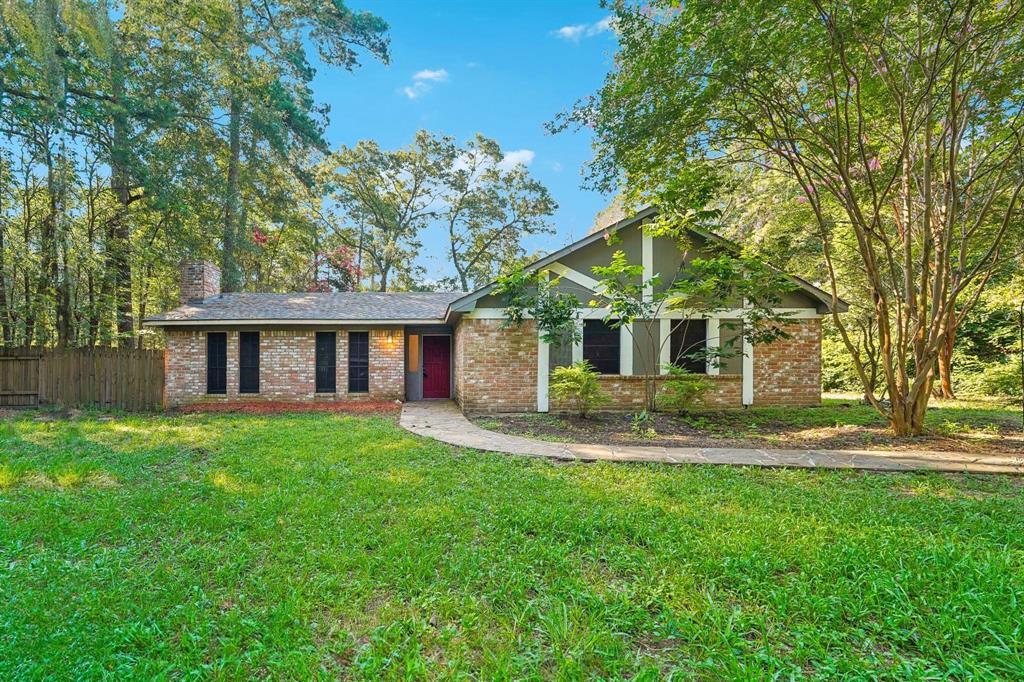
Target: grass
(320, 546)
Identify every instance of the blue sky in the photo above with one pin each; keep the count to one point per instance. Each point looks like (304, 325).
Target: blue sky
(503, 69)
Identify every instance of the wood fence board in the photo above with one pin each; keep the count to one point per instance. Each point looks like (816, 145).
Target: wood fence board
(82, 377)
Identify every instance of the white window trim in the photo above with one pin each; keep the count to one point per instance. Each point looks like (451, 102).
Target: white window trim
(577, 344)
(665, 357)
(543, 367)
(713, 343)
(748, 369)
(626, 350)
(647, 260)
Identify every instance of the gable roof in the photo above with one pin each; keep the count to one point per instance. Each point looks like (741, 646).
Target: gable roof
(412, 307)
(468, 302)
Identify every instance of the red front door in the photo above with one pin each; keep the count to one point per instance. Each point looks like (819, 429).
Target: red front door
(437, 355)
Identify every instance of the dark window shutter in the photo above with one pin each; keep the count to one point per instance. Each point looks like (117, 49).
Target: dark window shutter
(249, 362)
(217, 363)
(358, 362)
(601, 345)
(326, 366)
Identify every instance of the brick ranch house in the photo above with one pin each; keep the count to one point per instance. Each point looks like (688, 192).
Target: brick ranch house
(416, 346)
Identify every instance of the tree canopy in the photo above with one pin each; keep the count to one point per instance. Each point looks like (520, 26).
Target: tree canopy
(897, 126)
(484, 206)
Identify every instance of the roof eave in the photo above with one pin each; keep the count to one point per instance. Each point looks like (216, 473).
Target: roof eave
(151, 322)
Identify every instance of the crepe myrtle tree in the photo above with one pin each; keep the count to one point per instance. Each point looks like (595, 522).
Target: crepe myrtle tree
(902, 123)
(702, 286)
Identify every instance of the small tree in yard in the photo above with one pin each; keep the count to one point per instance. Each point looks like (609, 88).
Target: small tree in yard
(533, 294)
(578, 384)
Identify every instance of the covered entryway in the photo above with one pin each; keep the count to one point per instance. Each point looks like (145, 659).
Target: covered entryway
(428, 362)
(437, 367)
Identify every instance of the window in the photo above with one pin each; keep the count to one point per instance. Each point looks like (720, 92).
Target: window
(217, 363)
(326, 366)
(413, 348)
(249, 362)
(359, 362)
(689, 336)
(601, 346)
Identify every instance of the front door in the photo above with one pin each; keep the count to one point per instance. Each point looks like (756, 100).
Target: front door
(437, 355)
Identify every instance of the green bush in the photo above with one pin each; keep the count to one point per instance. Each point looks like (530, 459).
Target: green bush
(578, 384)
(838, 373)
(642, 425)
(683, 390)
(996, 379)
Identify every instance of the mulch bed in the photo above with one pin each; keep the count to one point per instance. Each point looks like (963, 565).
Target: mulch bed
(736, 430)
(279, 406)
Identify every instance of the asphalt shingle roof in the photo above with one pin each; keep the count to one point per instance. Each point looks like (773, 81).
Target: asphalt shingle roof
(300, 307)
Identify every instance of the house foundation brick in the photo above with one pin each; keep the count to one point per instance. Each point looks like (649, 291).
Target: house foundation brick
(626, 393)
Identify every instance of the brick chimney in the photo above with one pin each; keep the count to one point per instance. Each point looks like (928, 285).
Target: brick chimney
(200, 279)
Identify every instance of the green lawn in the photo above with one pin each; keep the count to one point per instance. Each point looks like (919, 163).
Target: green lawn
(320, 546)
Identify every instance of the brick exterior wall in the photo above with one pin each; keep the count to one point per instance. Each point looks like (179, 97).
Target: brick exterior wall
(287, 367)
(788, 372)
(626, 393)
(199, 279)
(496, 371)
(495, 368)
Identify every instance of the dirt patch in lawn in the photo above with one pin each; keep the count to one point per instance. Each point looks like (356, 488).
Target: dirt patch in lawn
(766, 428)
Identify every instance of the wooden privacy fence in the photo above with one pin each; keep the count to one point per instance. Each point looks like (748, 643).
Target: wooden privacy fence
(82, 377)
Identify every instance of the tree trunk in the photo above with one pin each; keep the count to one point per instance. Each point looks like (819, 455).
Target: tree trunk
(118, 259)
(48, 286)
(5, 315)
(93, 325)
(27, 220)
(65, 323)
(30, 317)
(907, 414)
(945, 362)
(230, 275)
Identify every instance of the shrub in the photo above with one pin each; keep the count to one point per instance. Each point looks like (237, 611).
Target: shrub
(642, 425)
(997, 379)
(683, 390)
(838, 373)
(578, 384)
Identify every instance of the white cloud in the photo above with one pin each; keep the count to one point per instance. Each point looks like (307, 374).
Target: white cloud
(573, 33)
(423, 81)
(518, 157)
(576, 32)
(438, 75)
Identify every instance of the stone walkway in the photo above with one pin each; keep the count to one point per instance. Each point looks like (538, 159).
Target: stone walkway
(443, 421)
